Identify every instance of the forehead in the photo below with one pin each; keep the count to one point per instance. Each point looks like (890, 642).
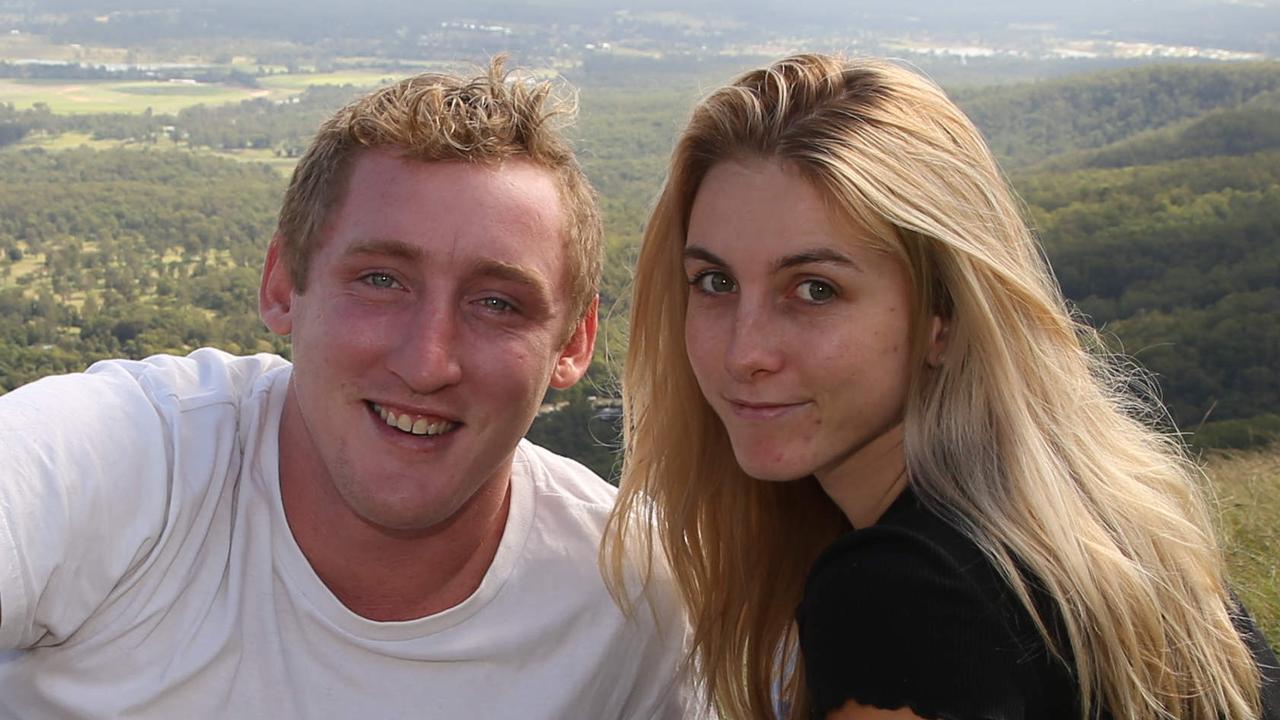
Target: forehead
(763, 215)
(741, 202)
(510, 212)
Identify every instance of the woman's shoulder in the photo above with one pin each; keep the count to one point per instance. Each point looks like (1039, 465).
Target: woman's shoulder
(911, 613)
(909, 550)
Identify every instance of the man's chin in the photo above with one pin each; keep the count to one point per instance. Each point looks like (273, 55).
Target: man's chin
(401, 519)
(412, 504)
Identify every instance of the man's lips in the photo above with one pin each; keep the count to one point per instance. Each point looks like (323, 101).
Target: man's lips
(412, 421)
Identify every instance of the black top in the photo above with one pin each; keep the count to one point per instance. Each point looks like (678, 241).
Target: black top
(910, 613)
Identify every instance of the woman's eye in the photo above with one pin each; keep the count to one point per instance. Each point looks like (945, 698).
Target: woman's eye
(713, 283)
(381, 280)
(815, 291)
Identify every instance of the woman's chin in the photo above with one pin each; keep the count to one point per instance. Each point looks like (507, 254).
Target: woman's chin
(769, 470)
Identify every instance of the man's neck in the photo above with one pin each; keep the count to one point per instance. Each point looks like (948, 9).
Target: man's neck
(386, 574)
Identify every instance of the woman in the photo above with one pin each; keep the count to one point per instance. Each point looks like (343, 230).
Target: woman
(853, 387)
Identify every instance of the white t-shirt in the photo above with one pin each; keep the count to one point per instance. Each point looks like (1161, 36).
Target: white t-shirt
(147, 571)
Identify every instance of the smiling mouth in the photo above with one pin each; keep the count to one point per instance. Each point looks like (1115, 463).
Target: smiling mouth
(761, 411)
(412, 424)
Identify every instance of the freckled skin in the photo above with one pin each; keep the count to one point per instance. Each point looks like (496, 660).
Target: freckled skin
(796, 329)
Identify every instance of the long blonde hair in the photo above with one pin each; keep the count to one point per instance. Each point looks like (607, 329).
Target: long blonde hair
(1028, 438)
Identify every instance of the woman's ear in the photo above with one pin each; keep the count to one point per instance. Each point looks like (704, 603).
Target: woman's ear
(939, 327)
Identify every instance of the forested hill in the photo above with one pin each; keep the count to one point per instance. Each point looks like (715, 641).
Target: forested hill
(1156, 191)
(125, 253)
(1251, 128)
(1181, 262)
(1027, 124)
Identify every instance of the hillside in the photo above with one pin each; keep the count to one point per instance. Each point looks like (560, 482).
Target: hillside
(1179, 261)
(1029, 123)
(1250, 128)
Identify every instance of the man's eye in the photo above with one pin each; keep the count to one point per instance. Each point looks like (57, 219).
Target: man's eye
(713, 282)
(381, 280)
(496, 304)
(815, 291)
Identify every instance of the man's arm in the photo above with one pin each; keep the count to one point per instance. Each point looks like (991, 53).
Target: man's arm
(81, 494)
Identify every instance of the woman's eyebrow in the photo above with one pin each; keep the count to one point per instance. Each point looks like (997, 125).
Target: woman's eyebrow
(817, 255)
(697, 253)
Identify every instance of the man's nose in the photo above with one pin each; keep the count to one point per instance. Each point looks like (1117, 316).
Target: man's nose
(427, 356)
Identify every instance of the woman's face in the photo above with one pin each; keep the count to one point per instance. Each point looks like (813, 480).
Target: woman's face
(797, 329)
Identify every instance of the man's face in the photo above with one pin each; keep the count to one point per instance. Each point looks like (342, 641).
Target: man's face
(434, 319)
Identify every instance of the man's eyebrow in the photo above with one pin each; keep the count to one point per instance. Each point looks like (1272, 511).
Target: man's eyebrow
(386, 246)
(817, 255)
(511, 272)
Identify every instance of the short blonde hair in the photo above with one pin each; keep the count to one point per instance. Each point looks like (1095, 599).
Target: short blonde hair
(1023, 438)
(441, 117)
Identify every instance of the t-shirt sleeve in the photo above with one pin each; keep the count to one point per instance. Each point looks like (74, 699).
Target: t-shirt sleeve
(84, 481)
(892, 621)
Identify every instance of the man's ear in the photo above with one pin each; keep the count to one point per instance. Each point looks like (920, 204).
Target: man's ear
(575, 356)
(939, 329)
(275, 294)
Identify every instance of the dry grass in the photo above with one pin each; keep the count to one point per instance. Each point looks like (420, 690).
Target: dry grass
(1247, 485)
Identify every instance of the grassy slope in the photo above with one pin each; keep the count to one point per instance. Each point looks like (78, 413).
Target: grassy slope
(1247, 488)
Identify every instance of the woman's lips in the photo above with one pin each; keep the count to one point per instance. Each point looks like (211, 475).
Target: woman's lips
(754, 410)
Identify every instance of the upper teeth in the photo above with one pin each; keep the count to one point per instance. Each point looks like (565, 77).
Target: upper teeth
(408, 423)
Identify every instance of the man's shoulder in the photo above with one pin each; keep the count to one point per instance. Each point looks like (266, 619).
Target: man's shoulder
(121, 395)
(565, 478)
(205, 376)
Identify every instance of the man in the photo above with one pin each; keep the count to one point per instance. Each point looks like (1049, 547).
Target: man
(362, 533)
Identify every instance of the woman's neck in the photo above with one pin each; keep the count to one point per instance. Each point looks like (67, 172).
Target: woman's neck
(867, 483)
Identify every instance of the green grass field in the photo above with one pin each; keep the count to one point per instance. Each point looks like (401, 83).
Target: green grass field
(73, 140)
(282, 165)
(291, 84)
(67, 141)
(26, 46)
(106, 96)
(70, 97)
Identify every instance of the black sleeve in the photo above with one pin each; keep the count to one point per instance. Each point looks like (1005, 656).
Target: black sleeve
(1268, 666)
(892, 620)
